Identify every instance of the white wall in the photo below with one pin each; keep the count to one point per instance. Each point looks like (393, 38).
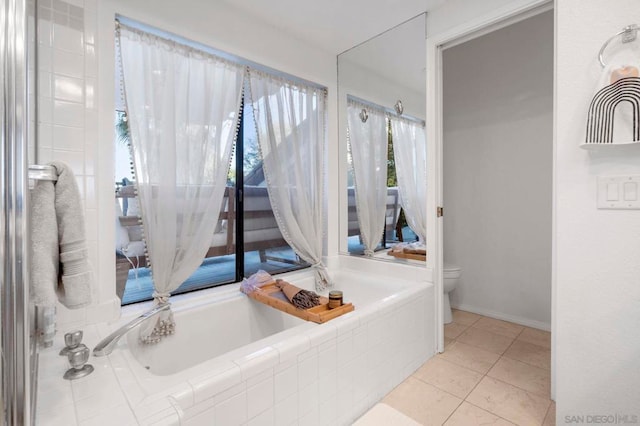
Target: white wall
(597, 254)
(68, 123)
(497, 111)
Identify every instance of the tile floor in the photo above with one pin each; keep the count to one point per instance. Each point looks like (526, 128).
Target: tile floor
(492, 372)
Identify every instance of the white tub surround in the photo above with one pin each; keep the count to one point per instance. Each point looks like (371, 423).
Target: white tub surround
(246, 363)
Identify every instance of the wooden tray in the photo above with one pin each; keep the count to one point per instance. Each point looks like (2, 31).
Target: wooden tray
(413, 256)
(272, 295)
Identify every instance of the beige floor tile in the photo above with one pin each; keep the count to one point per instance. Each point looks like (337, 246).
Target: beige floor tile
(464, 317)
(535, 355)
(470, 357)
(503, 328)
(453, 330)
(470, 415)
(537, 337)
(448, 341)
(533, 379)
(423, 402)
(485, 340)
(509, 402)
(448, 376)
(383, 415)
(550, 418)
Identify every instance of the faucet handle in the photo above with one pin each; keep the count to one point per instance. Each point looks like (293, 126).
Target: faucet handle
(72, 340)
(78, 357)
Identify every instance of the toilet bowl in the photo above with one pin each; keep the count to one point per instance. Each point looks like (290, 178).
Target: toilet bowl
(451, 277)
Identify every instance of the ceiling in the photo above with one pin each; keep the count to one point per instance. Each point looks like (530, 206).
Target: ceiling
(334, 25)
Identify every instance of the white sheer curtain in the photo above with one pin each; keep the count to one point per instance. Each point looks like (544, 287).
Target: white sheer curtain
(410, 153)
(290, 121)
(182, 106)
(368, 146)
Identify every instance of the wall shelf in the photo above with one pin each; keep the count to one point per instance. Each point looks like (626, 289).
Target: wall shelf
(610, 146)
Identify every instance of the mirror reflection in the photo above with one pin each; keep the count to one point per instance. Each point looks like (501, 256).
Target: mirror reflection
(382, 95)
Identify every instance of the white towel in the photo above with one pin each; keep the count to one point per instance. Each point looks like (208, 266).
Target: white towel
(60, 265)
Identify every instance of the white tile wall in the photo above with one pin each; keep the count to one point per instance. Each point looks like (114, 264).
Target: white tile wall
(336, 378)
(260, 397)
(118, 415)
(96, 399)
(67, 124)
(256, 363)
(232, 411)
(286, 383)
(286, 411)
(266, 418)
(206, 387)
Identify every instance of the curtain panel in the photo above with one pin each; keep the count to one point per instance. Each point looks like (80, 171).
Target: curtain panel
(367, 141)
(410, 153)
(182, 107)
(290, 121)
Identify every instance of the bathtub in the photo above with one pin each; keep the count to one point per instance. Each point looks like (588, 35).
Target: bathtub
(235, 361)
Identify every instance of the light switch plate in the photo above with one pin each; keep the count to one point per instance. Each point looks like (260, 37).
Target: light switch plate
(619, 192)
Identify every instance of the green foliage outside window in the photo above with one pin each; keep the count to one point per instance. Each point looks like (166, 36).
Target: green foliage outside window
(122, 127)
(391, 162)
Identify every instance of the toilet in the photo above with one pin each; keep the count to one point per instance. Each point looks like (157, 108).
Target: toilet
(451, 277)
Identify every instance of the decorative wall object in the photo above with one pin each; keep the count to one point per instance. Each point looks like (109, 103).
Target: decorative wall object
(614, 112)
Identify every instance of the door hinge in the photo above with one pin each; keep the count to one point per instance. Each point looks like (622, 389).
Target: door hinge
(440, 211)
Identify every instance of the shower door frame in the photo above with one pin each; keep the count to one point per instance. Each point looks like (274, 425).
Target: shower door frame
(16, 364)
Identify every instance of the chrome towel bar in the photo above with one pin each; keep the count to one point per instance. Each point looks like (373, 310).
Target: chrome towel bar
(39, 172)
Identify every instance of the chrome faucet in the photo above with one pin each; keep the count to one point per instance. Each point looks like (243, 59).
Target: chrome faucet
(105, 347)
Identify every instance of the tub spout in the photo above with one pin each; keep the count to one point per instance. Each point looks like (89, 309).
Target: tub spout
(105, 347)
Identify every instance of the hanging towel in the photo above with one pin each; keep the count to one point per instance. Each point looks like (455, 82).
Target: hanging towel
(44, 244)
(60, 265)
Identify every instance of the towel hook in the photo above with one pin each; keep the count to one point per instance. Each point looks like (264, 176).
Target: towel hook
(628, 33)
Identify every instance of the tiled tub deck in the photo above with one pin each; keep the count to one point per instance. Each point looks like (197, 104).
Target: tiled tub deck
(325, 374)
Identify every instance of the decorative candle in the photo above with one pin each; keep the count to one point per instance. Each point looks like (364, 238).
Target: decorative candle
(335, 299)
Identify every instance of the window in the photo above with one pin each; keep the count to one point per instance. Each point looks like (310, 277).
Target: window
(246, 237)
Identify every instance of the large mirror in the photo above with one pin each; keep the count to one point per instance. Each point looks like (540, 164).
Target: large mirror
(382, 97)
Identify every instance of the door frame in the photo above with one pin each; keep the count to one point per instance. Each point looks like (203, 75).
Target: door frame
(435, 45)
